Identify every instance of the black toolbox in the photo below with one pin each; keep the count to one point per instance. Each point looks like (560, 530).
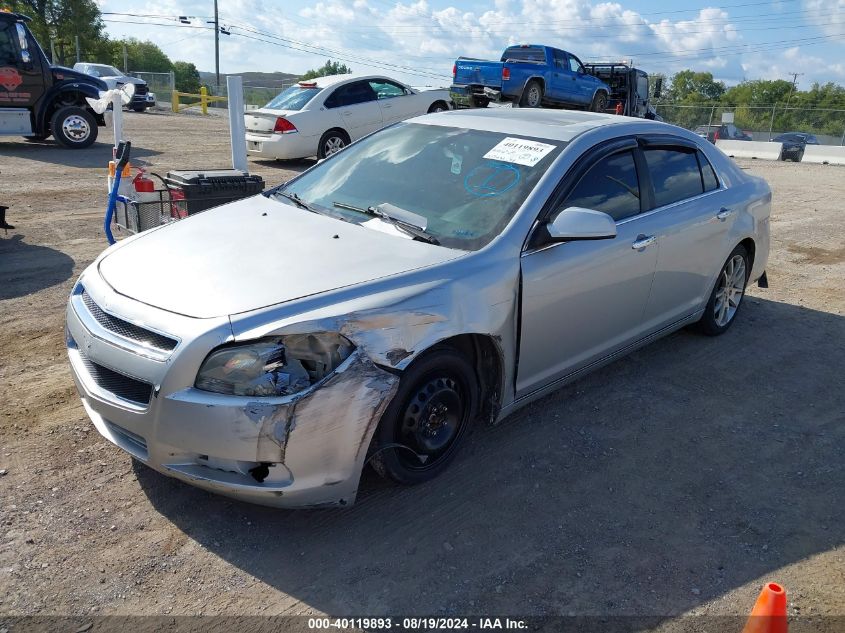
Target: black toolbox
(201, 189)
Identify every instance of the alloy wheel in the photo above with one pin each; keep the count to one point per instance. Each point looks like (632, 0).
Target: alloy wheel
(730, 290)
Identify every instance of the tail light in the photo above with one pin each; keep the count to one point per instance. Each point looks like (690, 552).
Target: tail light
(454, 70)
(178, 204)
(716, 135)
(283, 126)
(506, 73)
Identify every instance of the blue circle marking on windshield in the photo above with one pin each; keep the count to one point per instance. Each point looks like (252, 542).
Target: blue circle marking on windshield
(492, 179)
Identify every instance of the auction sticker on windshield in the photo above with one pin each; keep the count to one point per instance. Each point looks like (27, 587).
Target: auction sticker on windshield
(519, 151)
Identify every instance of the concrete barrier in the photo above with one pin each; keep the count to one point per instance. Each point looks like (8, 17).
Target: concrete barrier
(828, 154)
(750, 149)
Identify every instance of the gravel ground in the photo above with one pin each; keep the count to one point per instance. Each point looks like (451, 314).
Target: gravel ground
(675, 481)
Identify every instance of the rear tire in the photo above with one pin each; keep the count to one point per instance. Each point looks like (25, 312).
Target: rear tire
(332, 142)
(532, 96)
(438, 106)
(599, 103)
(74, 127)
(429, 418)
(726, 298)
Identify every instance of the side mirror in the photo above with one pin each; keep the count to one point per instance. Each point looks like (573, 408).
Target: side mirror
(575, 223)
(658, 87)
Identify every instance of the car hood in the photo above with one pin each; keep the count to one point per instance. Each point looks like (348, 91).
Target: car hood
(113, 82)
(60, 73)
(255, 253)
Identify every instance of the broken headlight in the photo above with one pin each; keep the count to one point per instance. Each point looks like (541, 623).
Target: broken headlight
(277, 366)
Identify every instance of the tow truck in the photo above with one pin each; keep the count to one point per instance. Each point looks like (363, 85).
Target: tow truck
(629, 88)
(38, 99)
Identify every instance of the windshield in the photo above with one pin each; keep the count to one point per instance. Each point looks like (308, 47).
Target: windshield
(104, 71)
(293, 98)
(463, 185)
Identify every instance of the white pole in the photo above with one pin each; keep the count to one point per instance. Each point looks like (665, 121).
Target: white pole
(117, 117)
(237, 129)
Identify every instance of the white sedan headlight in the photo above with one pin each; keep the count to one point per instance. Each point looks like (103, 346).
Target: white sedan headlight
(277, 366)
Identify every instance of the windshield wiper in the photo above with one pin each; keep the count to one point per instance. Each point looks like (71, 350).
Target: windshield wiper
(411, 228)
(293, 197)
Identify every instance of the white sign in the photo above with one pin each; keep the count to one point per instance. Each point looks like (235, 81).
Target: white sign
(519, 151)
(727, 117)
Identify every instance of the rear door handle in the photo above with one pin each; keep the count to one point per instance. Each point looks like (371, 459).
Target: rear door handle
(724, 213)
(643, 241)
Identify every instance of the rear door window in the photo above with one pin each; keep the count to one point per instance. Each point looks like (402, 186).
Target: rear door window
(674, 174)
(610, 186)
(351, 94)
(708, 174)
(560, 60)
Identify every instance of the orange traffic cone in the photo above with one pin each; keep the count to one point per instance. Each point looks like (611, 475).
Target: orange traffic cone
(769, 612)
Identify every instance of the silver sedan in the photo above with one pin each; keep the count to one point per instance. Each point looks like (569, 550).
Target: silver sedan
(436, 274)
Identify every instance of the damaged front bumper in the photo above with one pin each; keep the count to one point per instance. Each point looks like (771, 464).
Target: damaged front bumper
(306, 449)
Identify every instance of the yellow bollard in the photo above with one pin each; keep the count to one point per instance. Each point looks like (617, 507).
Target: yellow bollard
(204, 99)
(174, 101)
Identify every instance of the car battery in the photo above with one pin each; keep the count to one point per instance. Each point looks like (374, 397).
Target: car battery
(198, 190)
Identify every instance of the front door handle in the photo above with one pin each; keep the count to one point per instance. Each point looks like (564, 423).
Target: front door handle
(724, 213)
(643, 241)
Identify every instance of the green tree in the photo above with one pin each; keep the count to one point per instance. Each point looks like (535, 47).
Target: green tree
(143, 56)
(187, 77)
(329, 68)
(689, 83)
(62, 21)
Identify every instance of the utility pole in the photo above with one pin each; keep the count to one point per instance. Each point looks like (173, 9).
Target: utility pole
(795, 77)
(76, 40)
(53, 51)
(125, 59)
(217, 47)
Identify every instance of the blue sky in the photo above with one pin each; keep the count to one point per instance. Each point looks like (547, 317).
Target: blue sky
(417, 41)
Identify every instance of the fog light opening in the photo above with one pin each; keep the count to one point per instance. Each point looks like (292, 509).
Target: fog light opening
(260, 472)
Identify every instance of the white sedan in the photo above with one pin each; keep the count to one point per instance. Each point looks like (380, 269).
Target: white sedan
(320, 116)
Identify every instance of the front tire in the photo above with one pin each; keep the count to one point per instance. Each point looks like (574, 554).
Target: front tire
(599, 103)
(139, 108)
(438, 106)
(74, 127)
(532, 96)
(428, 419)
(726, 298)
(332, 142)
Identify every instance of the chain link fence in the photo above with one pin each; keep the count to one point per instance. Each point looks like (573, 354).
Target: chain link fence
(762, 122)
(255, 96)
(162, 84)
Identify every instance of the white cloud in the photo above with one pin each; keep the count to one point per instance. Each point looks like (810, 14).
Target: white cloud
(425, 40)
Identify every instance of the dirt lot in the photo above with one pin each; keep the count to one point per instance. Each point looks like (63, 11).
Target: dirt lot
(675, 481)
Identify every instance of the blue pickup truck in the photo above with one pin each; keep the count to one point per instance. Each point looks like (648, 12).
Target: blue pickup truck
(528, 75)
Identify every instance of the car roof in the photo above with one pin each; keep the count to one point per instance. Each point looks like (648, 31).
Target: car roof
(14, 16)
(559, 125)
(333, 80)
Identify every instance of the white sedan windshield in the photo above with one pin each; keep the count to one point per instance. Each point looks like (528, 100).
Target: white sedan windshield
(463, 185)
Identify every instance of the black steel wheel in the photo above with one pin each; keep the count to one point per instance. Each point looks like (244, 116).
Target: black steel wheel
(428, 419)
